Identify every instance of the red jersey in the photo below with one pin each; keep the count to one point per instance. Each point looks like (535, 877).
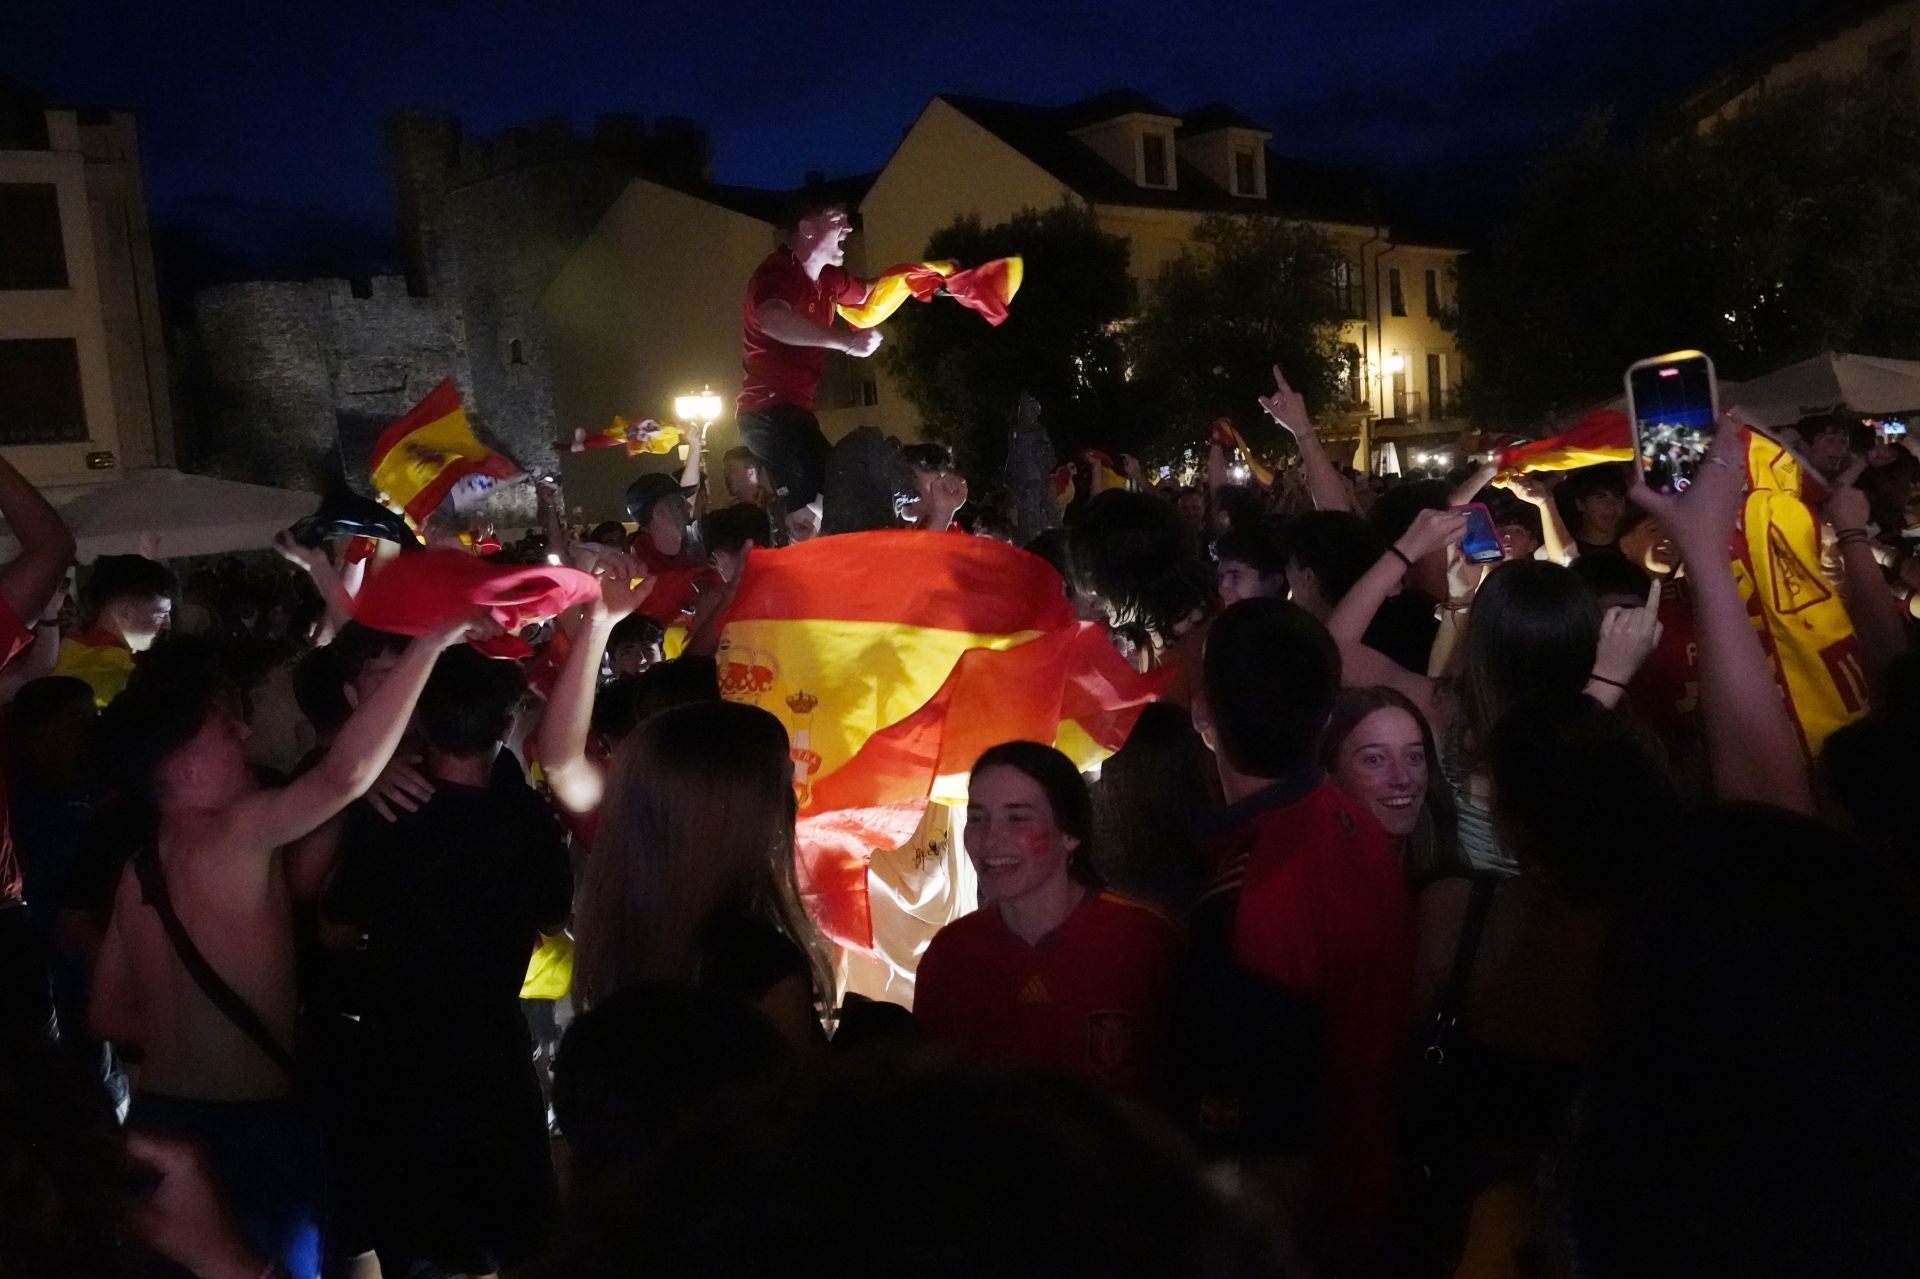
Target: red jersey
(1091, 999)
(677, 582)
(1665, 693)
(1323, 913)
(14, 639)
(775, 372)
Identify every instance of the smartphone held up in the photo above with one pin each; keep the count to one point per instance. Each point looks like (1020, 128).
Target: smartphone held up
(1482, 542)
(1673, 402)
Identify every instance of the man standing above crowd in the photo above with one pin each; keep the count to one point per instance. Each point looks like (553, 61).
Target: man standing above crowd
(787, 327)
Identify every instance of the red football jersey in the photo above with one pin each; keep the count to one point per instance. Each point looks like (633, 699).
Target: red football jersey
(776, 373)
(1323, 912)
(1091, 999)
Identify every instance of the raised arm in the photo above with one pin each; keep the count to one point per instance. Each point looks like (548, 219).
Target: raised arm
(1554, 537)
(1752, 746)
(268, 819)
(1878, 619)
(578, 782)
(1361, 666)
(313, 561)
(29, 580)
(783, 324)
(42, 655)
(1289, 408)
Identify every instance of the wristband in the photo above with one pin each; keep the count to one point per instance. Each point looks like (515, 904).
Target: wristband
(1400, 555)
(1598, 678)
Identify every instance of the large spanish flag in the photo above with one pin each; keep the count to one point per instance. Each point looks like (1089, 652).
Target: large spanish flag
(1228, 437)
(894, 659)
(1602, 436)
(1799, 613)
(987, 288)
(417, 461)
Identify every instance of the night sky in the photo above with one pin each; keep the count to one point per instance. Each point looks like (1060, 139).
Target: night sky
(261, 119)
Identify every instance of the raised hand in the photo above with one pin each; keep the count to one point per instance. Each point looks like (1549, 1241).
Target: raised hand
(863, 342)
(624, 587)
(1430, 531)
(1846, 507)
(400, 788)
(1287, 406)
(1628, 637)
(1530, 489)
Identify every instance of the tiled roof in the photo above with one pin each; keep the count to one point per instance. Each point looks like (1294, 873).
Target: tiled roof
(1295, 188)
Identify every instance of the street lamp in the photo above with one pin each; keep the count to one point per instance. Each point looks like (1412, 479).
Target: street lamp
(1396, 363)
(703, 408)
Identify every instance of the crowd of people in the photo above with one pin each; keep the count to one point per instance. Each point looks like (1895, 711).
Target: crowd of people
(1440, 918)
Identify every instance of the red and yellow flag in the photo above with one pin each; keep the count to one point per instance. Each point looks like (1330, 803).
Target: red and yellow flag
(1799, 613)
(418, 460)
(987, 288)
(1602, 436)
(1063, 489)
(895, 659)
(641, 437)
(1228, 436)
(1102, 474)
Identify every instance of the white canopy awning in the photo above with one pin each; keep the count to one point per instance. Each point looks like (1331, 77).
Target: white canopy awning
(168, 513)
(1859, 383)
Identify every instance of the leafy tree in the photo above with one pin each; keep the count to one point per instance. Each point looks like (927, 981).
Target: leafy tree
(1790, 229)
(1248, 294)
(1058, 343)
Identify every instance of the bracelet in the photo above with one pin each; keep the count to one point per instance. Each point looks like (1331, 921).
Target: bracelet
(1400, 555)
(1598, 678)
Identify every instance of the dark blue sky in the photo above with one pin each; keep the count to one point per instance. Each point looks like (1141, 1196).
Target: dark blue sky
(270, 111)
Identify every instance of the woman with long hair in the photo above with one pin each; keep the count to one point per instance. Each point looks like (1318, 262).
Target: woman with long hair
(1050, 970)
(1379, 749)
(1534, 632)
(691, 875)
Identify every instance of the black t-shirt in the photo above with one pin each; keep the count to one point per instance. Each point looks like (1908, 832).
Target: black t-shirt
(453, 898)
(747, 958)
(1404, 629)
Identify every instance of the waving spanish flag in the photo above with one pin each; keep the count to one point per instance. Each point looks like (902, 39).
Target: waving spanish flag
(417, 461)
(894, 659)
(987, 288)
(1799, 613)
(1228, 436)
(1602, 436)
(1102, 474)
(641, 437)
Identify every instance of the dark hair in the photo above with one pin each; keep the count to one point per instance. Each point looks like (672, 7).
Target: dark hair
(1051, 546)
(1067, 794)
(321, 676)
(928, 456)
(66, 1175)
(1271, 673)
(647, 492)
(1597, 838)
(1866, 768)
(1531, 636)
(1751, 1110)
(1508, 509)
(1607, 572)
(806, 203)
(1584, 483)
(468, 703)
(1132, 553)
(1025, 1175)
(697, 828)
(734, 528)
(1147, 806)
(1393, 512)
(740, 453)
(1432, 851)
(1337, 547)
(1261, 546)
(1860, 436)
(49, 710)
(174, 687)
(123, 577)
(636, 628)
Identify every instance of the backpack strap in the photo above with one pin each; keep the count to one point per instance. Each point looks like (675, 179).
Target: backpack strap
(232, 1005)
(1454, 997)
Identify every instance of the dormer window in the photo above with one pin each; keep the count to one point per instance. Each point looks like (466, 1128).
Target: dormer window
(1246, 171)
(1156, 165)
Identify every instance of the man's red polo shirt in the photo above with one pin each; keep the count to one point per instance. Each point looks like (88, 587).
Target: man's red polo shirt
(775, 372)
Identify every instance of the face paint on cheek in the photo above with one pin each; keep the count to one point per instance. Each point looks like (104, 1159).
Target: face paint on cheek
(1038, 844)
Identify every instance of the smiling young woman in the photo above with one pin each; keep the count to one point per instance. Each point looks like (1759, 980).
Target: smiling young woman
(1050, 970)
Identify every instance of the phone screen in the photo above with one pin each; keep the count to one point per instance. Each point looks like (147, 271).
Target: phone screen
(1482, 542)
(1671, 400)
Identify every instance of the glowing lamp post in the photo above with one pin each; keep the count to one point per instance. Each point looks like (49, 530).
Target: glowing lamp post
(700, 411)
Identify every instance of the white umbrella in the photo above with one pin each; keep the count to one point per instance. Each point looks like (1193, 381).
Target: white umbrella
(169, 513)
(1858, 383)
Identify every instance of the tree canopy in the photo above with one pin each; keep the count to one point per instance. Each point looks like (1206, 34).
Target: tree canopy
(1792, 228)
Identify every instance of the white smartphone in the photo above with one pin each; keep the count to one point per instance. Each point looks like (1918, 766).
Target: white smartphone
(1673, 402)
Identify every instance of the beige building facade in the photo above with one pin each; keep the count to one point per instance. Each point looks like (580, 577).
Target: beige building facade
(83, 374)
(649, 306)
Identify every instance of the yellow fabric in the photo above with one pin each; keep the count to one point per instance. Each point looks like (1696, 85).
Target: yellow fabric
(835, 664)
(416, 461)
(1798, 612)
(550, 971)
(888, 294)
(674, 642)
(105, 667)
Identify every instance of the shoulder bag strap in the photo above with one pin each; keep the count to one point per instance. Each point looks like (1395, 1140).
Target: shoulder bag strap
(1454, 997)
(232, 1005)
